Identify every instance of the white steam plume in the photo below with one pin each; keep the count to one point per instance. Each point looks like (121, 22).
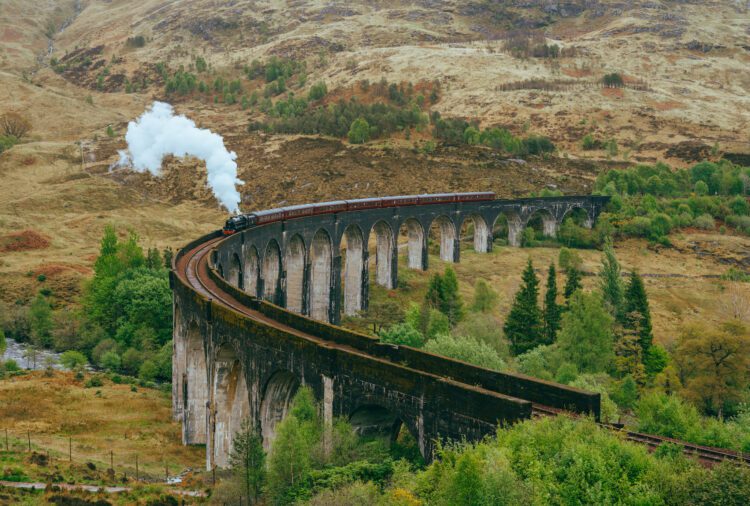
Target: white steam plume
(158, 132)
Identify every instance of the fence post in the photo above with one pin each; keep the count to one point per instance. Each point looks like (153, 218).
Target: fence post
(28, 435)
(112, 461)
(6, 440)
(136, 468)
(70, 448)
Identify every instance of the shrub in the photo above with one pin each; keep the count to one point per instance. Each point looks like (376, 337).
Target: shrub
(701, 188)
(359, 132)
(110, 361)
(466, 349)
(72, 360)
(94, 382)
(613, 80)
(317, 91)
(705, 222)
(11, 365)
(589, 142)
(7, 142)
(14, 125)
(137, 41)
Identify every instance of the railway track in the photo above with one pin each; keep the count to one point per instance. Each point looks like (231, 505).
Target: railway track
(193, 267)
(707, 455)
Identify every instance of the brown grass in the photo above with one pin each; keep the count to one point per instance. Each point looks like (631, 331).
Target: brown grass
(99, 420)
(23, 241)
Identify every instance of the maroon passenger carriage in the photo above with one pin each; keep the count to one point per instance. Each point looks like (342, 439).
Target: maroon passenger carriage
(243, 221)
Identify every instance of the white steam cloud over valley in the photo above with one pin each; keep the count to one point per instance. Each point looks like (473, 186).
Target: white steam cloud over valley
(159, 132)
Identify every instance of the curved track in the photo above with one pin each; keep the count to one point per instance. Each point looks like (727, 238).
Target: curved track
(707, 455)
(192, 267)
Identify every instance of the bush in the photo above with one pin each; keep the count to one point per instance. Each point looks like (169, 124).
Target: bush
(94, 382)
(705, 222)
(11, 365)
(317, 91)
(14, 125)
(613, 80)
(7, 142)
(110, 361)
(359, 132)
(466, 349)
(589, 142)
(72, 360)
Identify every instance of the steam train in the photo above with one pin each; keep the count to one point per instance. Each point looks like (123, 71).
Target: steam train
(243, 221)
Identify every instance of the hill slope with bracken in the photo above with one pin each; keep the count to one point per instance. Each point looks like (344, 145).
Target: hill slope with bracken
(75, 67)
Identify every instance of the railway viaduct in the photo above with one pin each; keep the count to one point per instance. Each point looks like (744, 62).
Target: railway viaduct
(256, 314)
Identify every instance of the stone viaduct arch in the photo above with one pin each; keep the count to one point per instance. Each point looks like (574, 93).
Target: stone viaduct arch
(229, 366)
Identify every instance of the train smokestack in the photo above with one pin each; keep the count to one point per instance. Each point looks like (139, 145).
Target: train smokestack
(159, 132)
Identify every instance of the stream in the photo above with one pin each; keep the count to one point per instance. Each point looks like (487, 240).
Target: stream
(18, 352)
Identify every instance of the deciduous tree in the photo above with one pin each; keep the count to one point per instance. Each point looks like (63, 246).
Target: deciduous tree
(585, 338)
(714, 364)
(248, 459)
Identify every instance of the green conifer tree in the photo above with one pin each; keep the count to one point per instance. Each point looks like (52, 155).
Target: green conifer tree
(523, 327)
(572, 283)
(611, 283)
(637, 312)
(551, 308)
(451, 304)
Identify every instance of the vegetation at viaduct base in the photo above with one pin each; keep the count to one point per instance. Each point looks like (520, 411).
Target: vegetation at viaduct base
(548, 461)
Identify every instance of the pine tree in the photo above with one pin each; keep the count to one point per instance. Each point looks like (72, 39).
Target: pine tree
(637, 312)
(572, 284)
(551, 308)
(451, 304)
(442, 294)
(611, 283)
(248, 459)
(434, 291)
(523, 327)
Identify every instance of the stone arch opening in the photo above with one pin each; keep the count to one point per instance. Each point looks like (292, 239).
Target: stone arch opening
(277, 398)
(235, 276)
(352, 251)
(578, 215)
(194, 388)
(321, 258)
(444, 230)
(411, 236)
(543, 223)
(231, 403)
(474, 230)
(271, 271)
(506, 230)
(374, 421)
(294, 262)
(252, 271)
(382, 237)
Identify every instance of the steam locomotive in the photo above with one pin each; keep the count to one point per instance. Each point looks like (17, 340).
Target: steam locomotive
(243, 221)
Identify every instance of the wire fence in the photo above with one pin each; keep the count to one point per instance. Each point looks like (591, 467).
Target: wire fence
(130, 467)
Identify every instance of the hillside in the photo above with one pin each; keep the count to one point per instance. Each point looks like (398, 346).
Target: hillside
(76, 67)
